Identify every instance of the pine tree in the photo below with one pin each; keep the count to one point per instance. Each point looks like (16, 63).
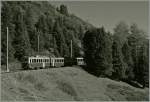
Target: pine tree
(64, 10)
(96, 52)
(121, 32)
(118, 64)
(7, 21)
(142, 71)
(21, 40)
(127, 58)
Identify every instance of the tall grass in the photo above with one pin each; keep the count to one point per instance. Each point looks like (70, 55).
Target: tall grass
(68, 88)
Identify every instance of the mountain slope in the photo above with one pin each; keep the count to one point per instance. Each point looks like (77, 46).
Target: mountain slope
(28, 20)
(68, 83)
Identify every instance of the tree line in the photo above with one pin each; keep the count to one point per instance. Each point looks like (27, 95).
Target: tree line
(123, 55)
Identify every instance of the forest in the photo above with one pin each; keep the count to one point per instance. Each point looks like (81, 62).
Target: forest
(122, 55)
(54, 26)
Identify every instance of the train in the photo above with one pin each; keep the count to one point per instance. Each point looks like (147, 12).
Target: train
(41, 62)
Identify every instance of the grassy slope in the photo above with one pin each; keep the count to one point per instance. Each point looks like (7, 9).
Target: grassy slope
(65, 84)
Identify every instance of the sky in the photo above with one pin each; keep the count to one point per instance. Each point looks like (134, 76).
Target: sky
(110, 13)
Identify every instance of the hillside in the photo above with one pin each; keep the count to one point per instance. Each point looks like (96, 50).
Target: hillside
(69, 83)
(29, 21)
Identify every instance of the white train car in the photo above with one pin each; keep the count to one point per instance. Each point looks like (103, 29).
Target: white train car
(80, 61)
(35, 62)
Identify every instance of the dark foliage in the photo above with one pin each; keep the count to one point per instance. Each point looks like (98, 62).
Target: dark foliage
(96, 43)
(128, 54)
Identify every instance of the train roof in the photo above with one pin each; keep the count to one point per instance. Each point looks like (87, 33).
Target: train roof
(45, 57)
(38, 56)
(79, 58)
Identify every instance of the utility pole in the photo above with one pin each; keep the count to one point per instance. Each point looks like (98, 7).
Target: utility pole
(71, 49)
(7, 51)
(53, 44)
(49, 52)
(38, 43)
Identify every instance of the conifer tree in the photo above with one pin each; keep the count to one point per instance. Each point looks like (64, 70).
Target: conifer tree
(64, 10)
(21, 40)
(96, 51)
(127, 58)
(118, 64)
(142, 71)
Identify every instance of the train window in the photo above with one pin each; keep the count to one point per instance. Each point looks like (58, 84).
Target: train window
(32, 60)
